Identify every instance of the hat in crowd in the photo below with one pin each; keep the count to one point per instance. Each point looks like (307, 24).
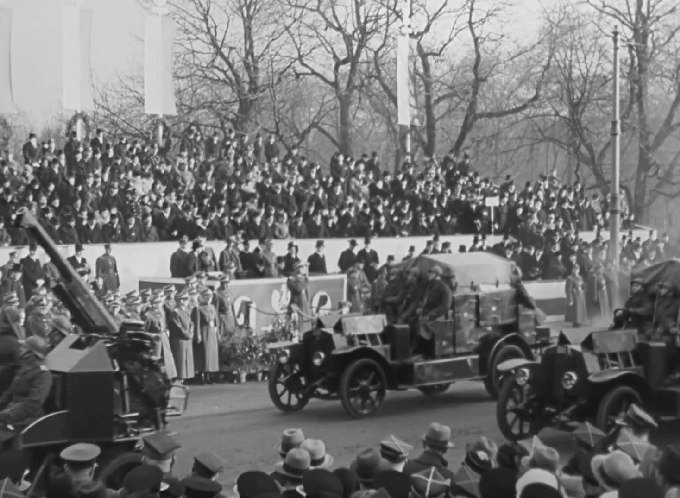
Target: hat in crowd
(9, 490)
(537, 476)
(296, 463)
(539, 490)
(157, 299)
(79, 247)
(438, 436)
(169, 289)
(429, 483)
(191, 280)
(144, 477)
(588, 436)
(36, 345)
(322, 482)
(291, 438)
(634, 448)
(159, 446)
(255, 483)
(612, 469)
(200, 487)
(465, 482)
(181, 296)
(225, 277)
(133, 301)
(80, 454)
(542, 457)
(637, 418)
(320, 243)
(480, 455)
(669, 463)
(366, 465)
(319, 458)
(397, 484)
(348, 479)
(497, 483)
(353, 243)
(394, 449)
(210, 462)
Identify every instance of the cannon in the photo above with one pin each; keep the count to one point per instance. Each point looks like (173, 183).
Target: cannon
(107, 388)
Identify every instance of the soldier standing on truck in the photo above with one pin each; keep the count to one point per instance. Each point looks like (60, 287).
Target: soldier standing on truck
(639, 305)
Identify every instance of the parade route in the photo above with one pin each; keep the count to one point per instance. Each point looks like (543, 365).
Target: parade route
(239, 422)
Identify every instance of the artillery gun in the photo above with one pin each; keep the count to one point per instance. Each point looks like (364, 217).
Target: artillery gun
(108, 388)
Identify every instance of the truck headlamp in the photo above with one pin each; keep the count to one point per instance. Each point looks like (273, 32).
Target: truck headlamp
(569, 380)
(283, 357)
(522, 376)
(317, 358)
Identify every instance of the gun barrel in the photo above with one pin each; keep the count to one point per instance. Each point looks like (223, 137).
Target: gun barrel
(88, 313)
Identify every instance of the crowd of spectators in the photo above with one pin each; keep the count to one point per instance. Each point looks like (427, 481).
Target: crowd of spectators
(620, 464)
(98, 190)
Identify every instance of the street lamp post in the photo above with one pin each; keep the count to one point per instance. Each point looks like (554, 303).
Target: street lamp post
(614, 208)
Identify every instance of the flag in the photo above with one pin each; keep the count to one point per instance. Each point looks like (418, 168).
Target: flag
(403, 81)
(159, 88)
(76, 62)
(6, 91)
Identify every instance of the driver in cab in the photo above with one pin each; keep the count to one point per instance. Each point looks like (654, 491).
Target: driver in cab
(23, 401)
(639, 305)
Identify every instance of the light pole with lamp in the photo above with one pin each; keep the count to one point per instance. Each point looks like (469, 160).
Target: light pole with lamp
(614, 207)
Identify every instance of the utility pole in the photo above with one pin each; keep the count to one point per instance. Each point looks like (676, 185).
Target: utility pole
(614, 211)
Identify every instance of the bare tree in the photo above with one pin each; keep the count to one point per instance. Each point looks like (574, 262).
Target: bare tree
(651, 29)
(226, 50)
(330, 40)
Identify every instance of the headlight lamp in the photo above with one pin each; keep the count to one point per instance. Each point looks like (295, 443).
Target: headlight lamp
(569, 380)
(522, 376)
(317, 358)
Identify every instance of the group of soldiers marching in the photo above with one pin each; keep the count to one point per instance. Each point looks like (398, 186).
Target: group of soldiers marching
(190, 323)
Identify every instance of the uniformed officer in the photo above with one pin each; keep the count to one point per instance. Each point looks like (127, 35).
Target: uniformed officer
(158, 450)
(206, 347)
(38, 318)
(155, 323)
(23, 401)
(207, 464)
(10, 317)
(133, 308)
(394, 453)
(106, 268)
(639, 305)
(80, 463)
(143, 480)
(634, 425)
(224, 305)
(181, 335)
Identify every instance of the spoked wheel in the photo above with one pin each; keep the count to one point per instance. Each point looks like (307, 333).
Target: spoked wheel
(362, 387)
(515, 418)
(614, 405)
(434, 389)
(287, 387)
(493, 379)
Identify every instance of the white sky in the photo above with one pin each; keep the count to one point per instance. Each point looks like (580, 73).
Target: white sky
(117, 47)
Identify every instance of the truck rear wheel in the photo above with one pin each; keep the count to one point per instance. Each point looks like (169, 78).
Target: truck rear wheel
(362, 387)
(614, 404)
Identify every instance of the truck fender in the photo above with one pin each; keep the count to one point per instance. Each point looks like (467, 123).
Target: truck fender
(486, 357)
(605, 376)
(514, 364)
(344, 357)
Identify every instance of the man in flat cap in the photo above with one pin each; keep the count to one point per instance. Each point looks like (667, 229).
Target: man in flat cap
(200, 487)
(23, 401)
(159, 450)
(143, 480)
(207, 464)
(394, 453)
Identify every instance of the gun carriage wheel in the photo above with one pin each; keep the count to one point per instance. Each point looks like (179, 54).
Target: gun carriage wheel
(362, 387)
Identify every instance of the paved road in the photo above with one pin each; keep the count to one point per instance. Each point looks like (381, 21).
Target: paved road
(239, 422)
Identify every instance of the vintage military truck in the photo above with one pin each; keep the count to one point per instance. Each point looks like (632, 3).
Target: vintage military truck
(107, 388)
(592, 375)
(358, 358)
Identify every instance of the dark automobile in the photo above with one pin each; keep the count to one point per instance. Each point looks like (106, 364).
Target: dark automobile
(107, 386)
(591, 376)
(358, 358)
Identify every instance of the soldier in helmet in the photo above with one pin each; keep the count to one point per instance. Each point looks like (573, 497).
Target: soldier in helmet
(23, 401)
